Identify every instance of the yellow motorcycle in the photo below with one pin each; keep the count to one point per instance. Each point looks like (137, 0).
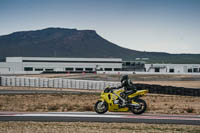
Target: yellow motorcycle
(114, 101)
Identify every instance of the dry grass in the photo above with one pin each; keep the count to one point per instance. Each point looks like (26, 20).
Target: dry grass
(43, 103)
(88, 127)
(58, 102)
(172, 104)
(55, 89)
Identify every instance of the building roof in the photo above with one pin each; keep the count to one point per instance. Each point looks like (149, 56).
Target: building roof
(61, 59)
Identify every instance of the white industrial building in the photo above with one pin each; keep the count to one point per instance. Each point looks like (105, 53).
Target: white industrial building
(27, 65)
(36, 65)
(172, 68)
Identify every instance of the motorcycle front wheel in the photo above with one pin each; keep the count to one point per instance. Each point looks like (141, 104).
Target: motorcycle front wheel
(101, 107)
(139, 109)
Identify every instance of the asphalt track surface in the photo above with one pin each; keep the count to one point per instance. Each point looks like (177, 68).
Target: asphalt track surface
(90, 116)
(93, 117)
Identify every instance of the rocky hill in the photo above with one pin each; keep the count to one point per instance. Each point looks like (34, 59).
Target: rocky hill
(60, 42)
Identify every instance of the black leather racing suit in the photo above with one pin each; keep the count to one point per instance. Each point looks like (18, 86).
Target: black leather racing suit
(129, 88)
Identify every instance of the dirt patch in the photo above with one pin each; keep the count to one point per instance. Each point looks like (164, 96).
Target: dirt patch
(49, 75)
(89, 127)
(161, 104)
(115, 77)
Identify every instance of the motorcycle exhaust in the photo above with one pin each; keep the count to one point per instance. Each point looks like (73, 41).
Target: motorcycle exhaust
(134, 105)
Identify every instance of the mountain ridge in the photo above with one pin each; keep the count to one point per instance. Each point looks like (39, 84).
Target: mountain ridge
(63, 42)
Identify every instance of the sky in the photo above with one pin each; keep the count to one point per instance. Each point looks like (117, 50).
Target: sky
(171, 26)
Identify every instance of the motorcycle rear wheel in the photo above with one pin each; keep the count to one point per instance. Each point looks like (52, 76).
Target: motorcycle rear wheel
(101, 107)
(141, 109)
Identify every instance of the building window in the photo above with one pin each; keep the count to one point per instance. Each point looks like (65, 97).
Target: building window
(171, 70)
(100, 69)
(117, 69)
(79, 69)
(38, 69)
(133, 64)
(190, 70)
(108, 69)
(195, 70)
(49, 70)
(69, 69)
(28, 69)
(88, 69)
(128, 63)
(157, 69)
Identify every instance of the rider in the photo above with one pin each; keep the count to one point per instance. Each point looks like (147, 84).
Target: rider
(129, 87)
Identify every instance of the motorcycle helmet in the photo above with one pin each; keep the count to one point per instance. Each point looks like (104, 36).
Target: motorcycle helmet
(124, 78)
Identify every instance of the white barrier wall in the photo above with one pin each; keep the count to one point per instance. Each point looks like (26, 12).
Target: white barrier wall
(55, 83)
